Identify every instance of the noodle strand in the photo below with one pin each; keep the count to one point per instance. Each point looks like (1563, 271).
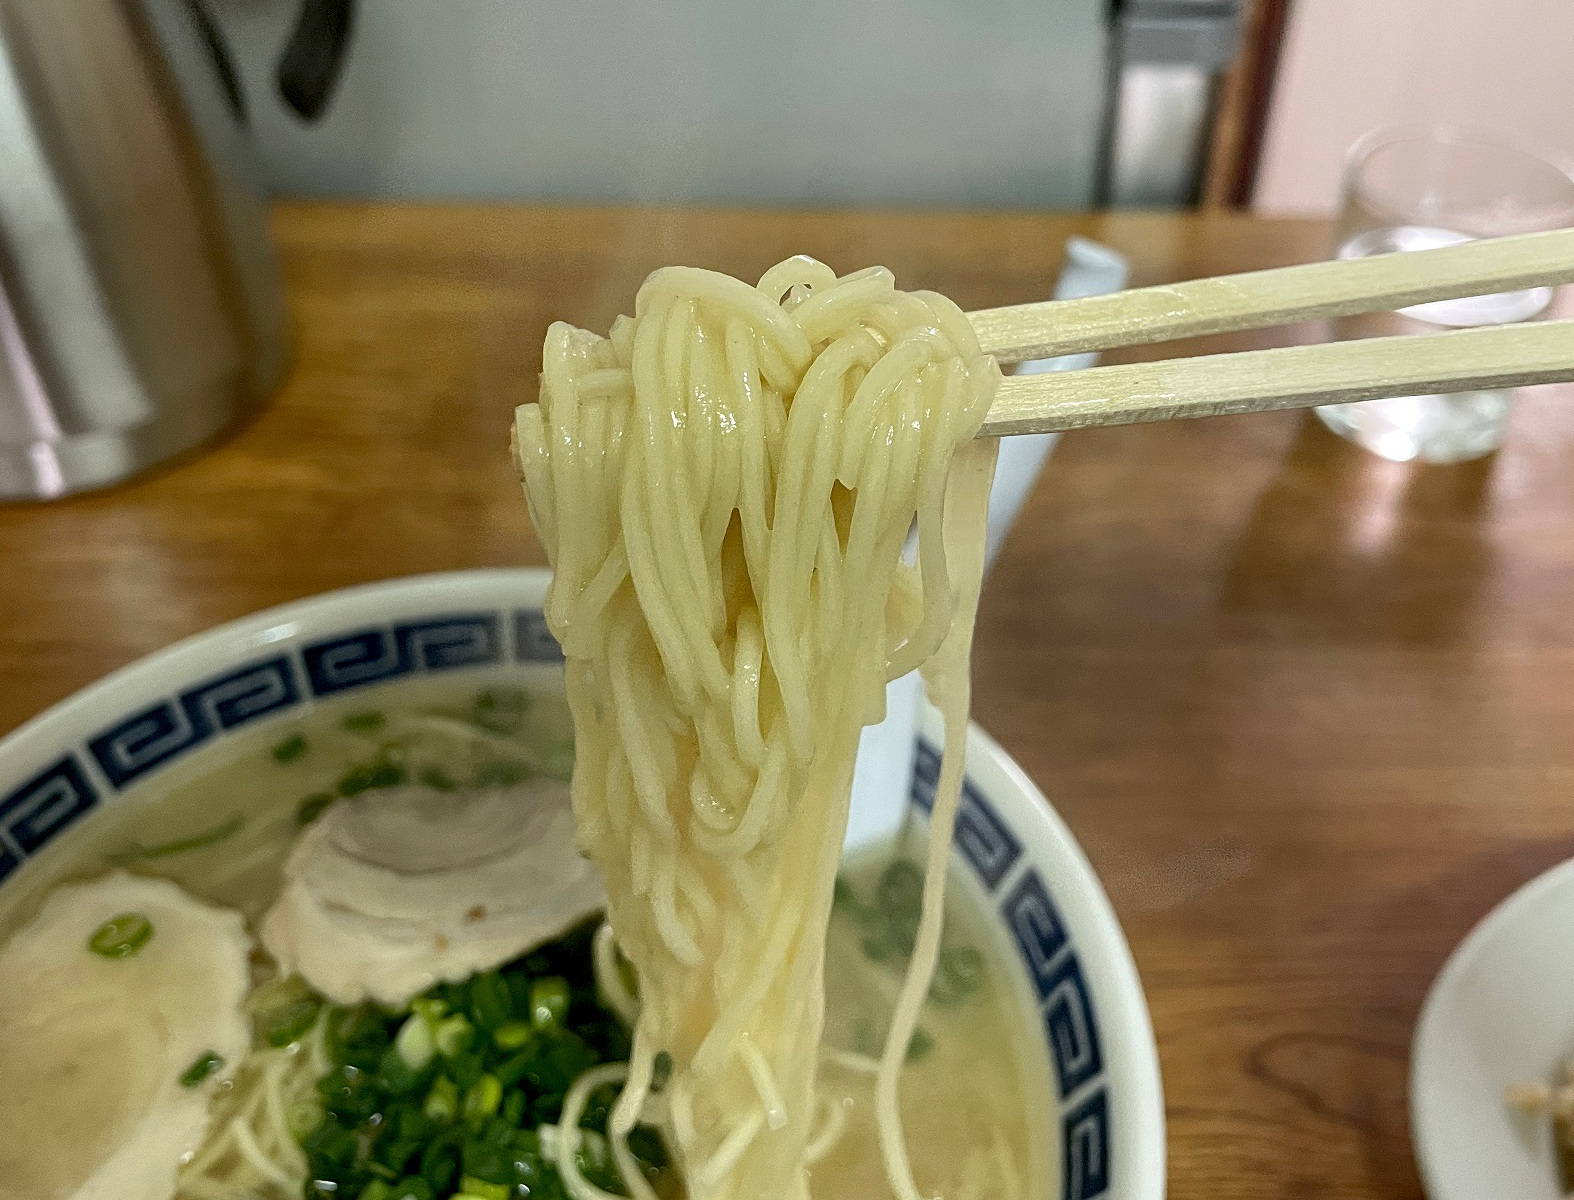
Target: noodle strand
(723, 488)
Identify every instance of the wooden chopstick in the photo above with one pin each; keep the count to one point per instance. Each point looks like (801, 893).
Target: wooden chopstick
(1258, 299)
(1290, 377)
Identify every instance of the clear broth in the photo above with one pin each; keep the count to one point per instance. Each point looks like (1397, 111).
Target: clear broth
(973, 1102)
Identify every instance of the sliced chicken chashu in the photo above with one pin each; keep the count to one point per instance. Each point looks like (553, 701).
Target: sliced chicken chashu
(394, 890)
(120, 1011)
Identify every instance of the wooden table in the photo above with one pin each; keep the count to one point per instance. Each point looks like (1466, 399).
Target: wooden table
(1310, 713)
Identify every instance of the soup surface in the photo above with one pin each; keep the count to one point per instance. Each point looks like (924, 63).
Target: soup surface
(222, 825)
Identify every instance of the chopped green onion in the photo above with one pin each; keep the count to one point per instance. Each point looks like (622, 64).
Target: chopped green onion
(437, 779)
(487, 1160)
(843, 896)
(548, 1001)
(381, 774)
(439, 1162)
(196, 841)
(122, 936)
(920, 1045)
(203, 1066)
(430, 1007)
(395, 1075)
(442, 1102)
(290, 748)
(409, 1121)
(388, 774)
(312, 807)
(466, 1067)
(398, 1149)
(901, 886)
(531, 1173)
(504, 772)
(490, 1002)
(500, 710)
(354, 781)
(283, 1010)
(418, 1100)
(453, 1035)
(304, 1116)
(958, 974)
(342, 1090)
(331, 1146)
(292, 1023)
(365, 722)
(511, 1070)
(514, 1107)
(414, 1042)
(358, 1035)
(482, 1099)
(900, 899)
(511, 1035)
(507, 699)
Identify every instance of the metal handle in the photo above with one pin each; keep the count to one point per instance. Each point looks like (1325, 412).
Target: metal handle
(309, 69)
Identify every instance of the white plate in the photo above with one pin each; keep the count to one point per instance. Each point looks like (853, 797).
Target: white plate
(1501, 1011)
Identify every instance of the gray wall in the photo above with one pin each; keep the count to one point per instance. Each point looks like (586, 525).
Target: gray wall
(927, 103)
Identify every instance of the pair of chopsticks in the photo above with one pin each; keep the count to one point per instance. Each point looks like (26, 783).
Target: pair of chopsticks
(1292, 377)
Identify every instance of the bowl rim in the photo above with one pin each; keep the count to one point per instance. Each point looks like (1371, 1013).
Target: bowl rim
(1120, 1003)
(265, 627)
(1129, 1037)
(1497, 920)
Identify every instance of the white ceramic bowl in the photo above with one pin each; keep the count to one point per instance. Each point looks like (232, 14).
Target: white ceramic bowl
(1074, 973)
(1501, 1011)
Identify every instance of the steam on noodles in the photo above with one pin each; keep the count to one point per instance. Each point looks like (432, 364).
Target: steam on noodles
(724, 487)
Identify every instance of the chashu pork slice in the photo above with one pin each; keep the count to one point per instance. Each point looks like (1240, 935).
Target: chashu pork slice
(391, 891)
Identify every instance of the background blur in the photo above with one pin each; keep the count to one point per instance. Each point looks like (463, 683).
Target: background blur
(1348, 66)
(1039, 104)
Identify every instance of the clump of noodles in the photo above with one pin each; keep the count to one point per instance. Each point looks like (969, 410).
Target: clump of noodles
(250, 1149)
(723, 487)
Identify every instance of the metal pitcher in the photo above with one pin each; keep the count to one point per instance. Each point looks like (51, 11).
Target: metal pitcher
(140, 303)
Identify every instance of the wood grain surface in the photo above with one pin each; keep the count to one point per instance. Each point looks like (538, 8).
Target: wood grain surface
(1310, 713)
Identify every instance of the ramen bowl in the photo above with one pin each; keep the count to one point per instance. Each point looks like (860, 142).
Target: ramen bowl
(1056, 950)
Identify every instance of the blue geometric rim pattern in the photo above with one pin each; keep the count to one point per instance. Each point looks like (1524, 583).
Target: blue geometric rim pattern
(121, 754)
(140, 742)
(1042, 940)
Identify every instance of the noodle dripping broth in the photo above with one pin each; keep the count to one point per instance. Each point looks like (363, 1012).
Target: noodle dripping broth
(724, 485)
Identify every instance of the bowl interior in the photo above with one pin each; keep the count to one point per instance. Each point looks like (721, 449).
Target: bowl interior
(1074, 978)
(1499, 1013)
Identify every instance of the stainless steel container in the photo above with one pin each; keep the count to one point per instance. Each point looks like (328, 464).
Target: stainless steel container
(140, 304)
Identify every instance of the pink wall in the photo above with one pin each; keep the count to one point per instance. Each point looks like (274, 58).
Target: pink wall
(1352, 65)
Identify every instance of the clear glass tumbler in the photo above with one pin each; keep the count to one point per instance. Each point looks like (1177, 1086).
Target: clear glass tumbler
(1412, 188)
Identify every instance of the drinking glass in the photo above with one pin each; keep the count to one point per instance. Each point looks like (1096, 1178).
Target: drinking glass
(1413, 188)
